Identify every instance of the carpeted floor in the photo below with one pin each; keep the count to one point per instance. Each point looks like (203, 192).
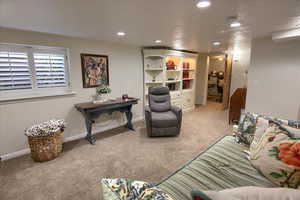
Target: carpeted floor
(77, 172)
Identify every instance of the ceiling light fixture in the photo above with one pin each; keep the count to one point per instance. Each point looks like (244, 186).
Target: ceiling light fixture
(217, 43)
(121, 33)
(203, 3)
(233, 22)
(158, 41)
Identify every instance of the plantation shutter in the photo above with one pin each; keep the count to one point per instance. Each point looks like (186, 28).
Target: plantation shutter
(14, 71)
(49, 70)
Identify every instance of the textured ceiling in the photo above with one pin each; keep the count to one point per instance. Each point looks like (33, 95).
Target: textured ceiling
(178, 23)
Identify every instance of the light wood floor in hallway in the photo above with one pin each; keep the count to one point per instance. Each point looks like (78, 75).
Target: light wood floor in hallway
(76, 174)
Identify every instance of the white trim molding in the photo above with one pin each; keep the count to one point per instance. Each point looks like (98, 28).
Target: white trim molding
(68, 139)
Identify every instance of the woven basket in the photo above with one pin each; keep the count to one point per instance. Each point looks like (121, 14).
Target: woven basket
(45, 148)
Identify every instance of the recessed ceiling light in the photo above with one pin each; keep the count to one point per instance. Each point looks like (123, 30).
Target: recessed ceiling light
(234, 22)
(158, 41)
(203, 3)
(121, 33)
(216, 43)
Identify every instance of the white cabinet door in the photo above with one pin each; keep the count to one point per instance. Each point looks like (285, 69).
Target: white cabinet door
(176, 102)
(188, 100)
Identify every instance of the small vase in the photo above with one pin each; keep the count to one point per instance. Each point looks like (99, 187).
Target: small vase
(100, 98)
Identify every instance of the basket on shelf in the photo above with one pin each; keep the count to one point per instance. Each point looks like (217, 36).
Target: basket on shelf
(45, 140)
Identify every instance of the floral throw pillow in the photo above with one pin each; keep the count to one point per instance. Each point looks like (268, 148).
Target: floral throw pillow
(277, 155)
(247, 126)
(126, 189)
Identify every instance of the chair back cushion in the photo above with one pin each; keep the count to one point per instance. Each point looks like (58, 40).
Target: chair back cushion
(159, 99)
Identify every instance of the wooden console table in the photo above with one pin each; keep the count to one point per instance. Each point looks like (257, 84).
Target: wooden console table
(91, 111)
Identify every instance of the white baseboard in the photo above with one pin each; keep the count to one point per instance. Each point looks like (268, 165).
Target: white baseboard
(15, 154)
(68, 139)
(189, 109)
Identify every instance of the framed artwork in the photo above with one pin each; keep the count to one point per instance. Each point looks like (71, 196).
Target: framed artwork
(94, 70)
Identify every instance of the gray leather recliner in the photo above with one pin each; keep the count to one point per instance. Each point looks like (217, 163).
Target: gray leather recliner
(162, 119)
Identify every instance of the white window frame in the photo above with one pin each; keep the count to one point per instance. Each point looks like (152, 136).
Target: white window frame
(22, 94)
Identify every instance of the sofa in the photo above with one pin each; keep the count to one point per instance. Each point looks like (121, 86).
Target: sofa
(223, 165)
(260, 156)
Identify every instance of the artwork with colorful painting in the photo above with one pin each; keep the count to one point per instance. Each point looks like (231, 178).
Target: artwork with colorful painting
(94, 70)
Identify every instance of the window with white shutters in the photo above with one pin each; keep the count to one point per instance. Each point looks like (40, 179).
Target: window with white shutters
(28, 71)
(50, 70)
(14, 71)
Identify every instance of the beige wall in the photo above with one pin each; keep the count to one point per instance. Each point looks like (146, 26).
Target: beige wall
(274, 78)
(202, 79)
(125, 70)
(239, 68)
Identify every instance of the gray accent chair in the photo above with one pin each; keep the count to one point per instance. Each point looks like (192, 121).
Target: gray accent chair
(162, 119)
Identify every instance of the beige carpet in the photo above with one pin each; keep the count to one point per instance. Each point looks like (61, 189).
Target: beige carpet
(77, 172)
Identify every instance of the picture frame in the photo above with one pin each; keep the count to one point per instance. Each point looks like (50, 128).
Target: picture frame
(95, 70)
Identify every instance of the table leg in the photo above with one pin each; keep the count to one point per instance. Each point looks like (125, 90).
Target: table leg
(128, 114)
(89, 137)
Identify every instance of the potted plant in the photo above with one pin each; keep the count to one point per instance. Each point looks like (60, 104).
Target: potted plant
(102, 92)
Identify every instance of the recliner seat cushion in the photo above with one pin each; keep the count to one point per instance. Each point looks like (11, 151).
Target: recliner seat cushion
(164, 119)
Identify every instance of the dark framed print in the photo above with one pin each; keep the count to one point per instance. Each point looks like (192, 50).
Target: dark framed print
(94, 70)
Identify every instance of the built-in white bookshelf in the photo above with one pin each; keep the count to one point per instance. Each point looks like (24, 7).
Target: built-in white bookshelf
(172, 68)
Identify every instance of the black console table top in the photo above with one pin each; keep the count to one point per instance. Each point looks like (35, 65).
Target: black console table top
(92, 111)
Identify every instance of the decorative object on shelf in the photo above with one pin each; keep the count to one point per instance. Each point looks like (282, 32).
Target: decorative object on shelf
(171, 65)
(171, 86)
(125, 96)
(185, 74)
(186, 84)
(154, 74)
(94, 70)
(45, 140)
(157, 67)
(186, 65)
(102, 93)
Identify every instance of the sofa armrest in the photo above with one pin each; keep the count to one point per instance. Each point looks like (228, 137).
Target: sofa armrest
(178, 112)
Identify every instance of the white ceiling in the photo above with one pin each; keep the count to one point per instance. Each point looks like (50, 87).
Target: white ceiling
(178, 23)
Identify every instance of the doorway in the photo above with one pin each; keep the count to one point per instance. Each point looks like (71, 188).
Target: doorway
(214, 69)
(215, 84)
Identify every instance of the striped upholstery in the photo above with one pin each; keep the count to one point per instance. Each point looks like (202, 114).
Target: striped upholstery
(223, 165)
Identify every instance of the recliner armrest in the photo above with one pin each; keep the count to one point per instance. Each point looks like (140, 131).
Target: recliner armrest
(147, 109)
(176, 110)
(148, 118)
